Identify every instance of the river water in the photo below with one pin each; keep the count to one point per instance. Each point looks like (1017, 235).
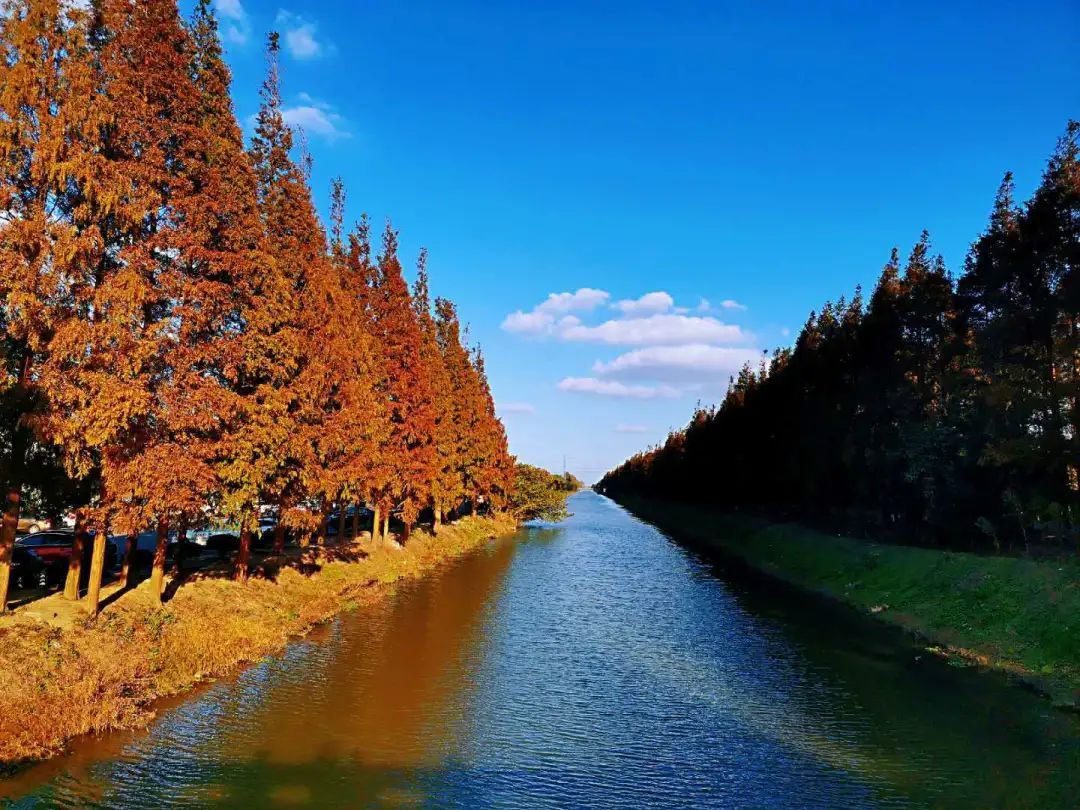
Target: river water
(596, 664)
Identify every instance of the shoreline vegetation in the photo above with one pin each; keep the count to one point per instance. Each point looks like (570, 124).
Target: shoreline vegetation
(104, 673)
(184, 343)
(186, 346)
(1014, 615)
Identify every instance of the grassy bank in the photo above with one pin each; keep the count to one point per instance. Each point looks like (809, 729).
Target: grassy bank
(58, 682)
(1016, 615)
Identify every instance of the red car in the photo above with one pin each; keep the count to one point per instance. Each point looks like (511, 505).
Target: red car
(53, 548)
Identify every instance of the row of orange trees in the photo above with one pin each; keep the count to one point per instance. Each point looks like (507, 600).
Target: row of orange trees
(180, 332)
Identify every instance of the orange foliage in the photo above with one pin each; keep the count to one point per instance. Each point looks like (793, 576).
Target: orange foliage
(198, 346)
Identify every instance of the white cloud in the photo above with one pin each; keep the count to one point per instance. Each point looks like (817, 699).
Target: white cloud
(316, 119)
(732, 304)
(541, 319)
(648, 304)
(300, 36)
(236, 26)
(785, 332)
(656, 330)
(528, 323)
(704, 305)
(612, 388)
(631, 429)
(584, 300)
(693, 362)
(516, 407)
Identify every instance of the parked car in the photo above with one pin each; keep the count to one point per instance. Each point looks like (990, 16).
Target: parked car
(350, 512)
(266, 539)
(27, 569)
(33, 525)
(225, 544)
(192, 550)
(54, 547)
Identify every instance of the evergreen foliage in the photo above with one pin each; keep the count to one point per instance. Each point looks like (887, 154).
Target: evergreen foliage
(940, 412)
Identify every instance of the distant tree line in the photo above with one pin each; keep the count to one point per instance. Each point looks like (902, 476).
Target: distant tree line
(180, 335)
(941, 410)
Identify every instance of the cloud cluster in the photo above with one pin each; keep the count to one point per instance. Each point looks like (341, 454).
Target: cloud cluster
(551, 316)
(235, 24)
(651, 319)
(301, 36)
(315, 118)
(665, 329)
(648, 304)
(675, 350)
(687, 363)
(614, 388)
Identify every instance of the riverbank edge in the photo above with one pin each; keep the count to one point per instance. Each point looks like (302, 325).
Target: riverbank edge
(1013, 615)
(106, 674)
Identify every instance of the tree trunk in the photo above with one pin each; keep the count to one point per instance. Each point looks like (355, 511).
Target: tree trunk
(279, 537)
(386, 527)
(74, 572)
(240, 571)
(10, 526)
(7, 545)
(375, 526)
(157, 576)
(341, 524)
(324, 525)
(125, 566)
(181, 537)
(356, 522)
(97, 568)
(437, 524)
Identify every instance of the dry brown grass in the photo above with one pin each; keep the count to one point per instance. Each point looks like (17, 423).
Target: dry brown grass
(104, 674)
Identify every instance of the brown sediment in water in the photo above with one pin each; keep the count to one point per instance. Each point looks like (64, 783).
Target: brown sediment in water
(75, 676)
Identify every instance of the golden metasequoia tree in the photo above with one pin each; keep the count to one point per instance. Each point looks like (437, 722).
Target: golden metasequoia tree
(495, 465)
(175, 320)
(138, 370)
(53, 195)
(443, 473)
(458, 437)
(407, 457)
(355, 416)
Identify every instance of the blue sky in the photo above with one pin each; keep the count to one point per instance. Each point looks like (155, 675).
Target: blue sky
(741, 162)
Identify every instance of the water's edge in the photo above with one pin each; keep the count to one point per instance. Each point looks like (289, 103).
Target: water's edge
(357, 585)
(727, 536)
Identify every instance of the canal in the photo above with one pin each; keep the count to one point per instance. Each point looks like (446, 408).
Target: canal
(594, 664)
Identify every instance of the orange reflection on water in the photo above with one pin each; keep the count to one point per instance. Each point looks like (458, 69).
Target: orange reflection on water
(397, 682)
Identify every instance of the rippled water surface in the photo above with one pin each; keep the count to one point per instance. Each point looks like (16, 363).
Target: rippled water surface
(595, 665)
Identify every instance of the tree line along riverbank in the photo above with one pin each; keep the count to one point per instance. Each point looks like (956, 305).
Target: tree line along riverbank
(183, 342)
(96, 675)
(1020, 616)
(943, 410)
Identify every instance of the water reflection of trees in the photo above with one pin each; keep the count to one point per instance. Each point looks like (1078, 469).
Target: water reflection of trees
(395, 683)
